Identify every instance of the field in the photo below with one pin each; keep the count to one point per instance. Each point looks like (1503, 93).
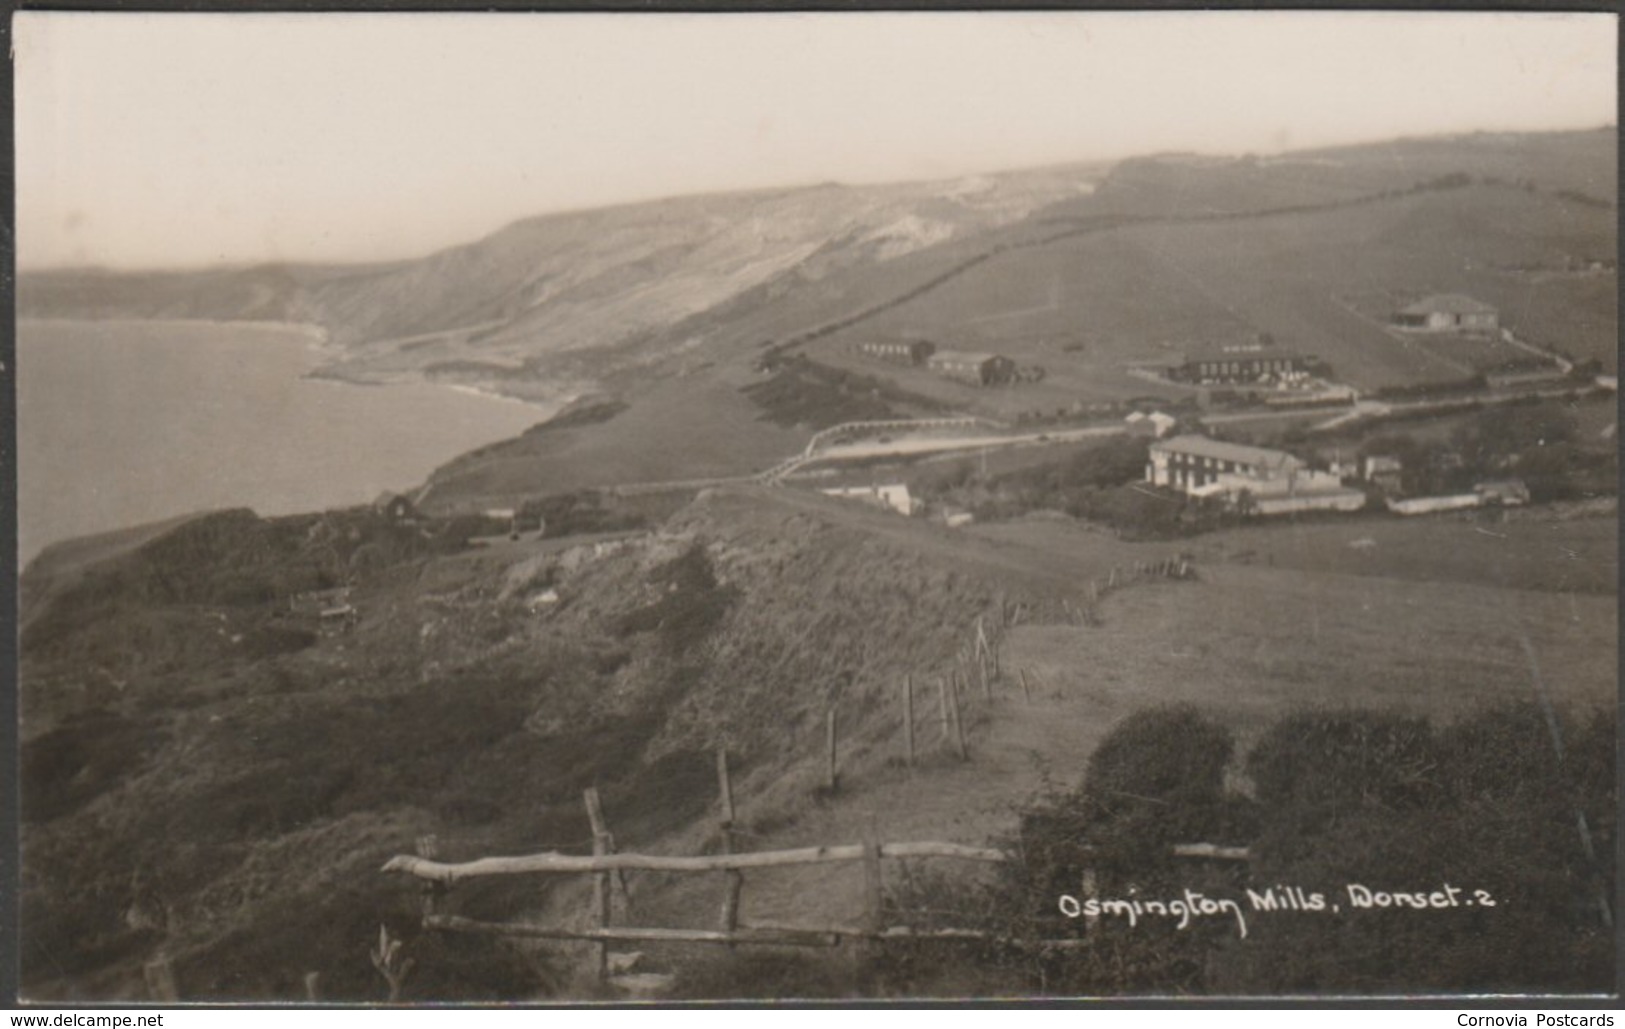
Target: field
(1091, 308)
(679, 428)
(1245, 644)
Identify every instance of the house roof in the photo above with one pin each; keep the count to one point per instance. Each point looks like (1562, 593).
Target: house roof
(1243, 354)
(961, 356)
(1448, 303)
(1201, 446)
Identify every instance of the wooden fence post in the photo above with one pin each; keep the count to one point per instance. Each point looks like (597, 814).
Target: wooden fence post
(160, 976)
(733, 878)
(428, 848)
(832, 779)
(874, 915)
(600, 880)
(958, 726)
(908, 717)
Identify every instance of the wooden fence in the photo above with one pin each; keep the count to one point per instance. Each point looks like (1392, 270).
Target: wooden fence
(978, 662)
(606, 865)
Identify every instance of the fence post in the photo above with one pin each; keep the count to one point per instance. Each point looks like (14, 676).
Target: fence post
(160, 976)
(908, 717)
(428, 848)
(942, 709)
(831, 774)
(874, 916)
(600, 880)
(733, 878)
(958, 725)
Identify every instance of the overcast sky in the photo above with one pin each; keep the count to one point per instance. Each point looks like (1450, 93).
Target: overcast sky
(178, 140)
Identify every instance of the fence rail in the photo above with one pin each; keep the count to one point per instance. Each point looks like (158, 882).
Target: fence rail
(978, 661)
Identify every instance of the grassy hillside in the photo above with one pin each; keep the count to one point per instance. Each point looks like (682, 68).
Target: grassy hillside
(231, 802)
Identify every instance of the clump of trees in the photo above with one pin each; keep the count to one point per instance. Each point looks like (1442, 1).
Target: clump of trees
(1102, 483)
(1491, 807)
(1538, 443)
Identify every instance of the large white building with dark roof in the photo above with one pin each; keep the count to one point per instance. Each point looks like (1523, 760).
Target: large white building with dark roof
(1276, 481)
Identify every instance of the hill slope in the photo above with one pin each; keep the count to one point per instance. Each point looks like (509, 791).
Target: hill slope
(232, 800)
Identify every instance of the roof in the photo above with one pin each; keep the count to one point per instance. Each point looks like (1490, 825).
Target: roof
(1201, 446)
(1448, 303)
(961, 356)
(1243, 353)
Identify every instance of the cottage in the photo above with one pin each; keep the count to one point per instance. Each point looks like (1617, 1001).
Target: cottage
(1244, 365)
(908, 351)
(1156, 424)
(1506, 492)
(1447, 312)
(978, 369)
(893, 497)
(1383, 471)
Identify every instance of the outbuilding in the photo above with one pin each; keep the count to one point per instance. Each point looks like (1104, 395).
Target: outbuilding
(1448, 312)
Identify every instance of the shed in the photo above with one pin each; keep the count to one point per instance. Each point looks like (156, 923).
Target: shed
(1448, 312)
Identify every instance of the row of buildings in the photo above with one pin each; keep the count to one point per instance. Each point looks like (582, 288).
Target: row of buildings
(1264, 481)
(1257, 363)
(969, 366)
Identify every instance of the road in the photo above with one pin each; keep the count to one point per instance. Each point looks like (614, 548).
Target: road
(863, 449)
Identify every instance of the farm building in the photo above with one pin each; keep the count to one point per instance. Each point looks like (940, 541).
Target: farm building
(979, 369)
(397, 507)
(1243, 365)
(1509, 492)
(1383, 471)
(902, 351)
(1448, 312)
(1156, 424)
(1202, 467)
(894, 497)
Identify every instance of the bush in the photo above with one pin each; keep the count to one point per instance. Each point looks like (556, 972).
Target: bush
(1356, 797)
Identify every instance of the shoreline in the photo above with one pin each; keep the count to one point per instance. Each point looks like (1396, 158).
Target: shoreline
(310, 342)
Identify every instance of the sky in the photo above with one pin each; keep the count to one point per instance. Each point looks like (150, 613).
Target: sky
(182, 140)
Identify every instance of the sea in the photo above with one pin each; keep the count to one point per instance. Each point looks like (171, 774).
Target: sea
(121, 423)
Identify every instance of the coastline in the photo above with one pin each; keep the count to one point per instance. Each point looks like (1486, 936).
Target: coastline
(417, 440)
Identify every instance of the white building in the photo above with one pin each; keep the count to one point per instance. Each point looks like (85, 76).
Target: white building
(894, 497)
(1202, 467)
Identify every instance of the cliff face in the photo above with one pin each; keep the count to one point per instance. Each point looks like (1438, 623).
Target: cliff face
(563, 282)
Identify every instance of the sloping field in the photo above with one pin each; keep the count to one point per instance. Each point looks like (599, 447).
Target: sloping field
(1244, 644)
(1289, 275)
(1091, 306)
(678, 429)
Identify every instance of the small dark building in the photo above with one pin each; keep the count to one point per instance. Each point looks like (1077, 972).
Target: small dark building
(903, 351)
(397, 507)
